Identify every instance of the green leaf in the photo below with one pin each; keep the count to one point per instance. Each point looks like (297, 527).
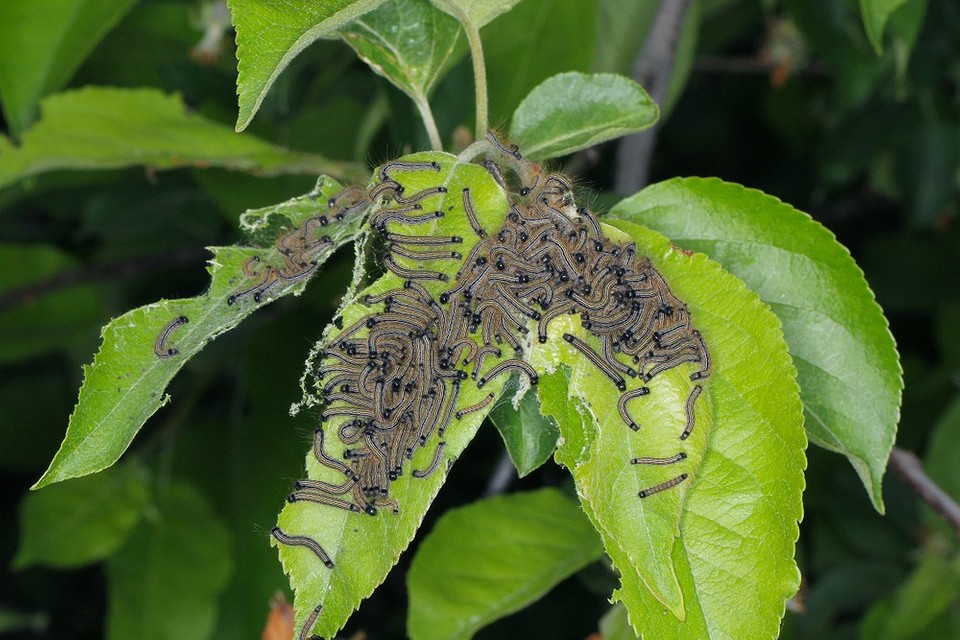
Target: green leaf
(615, 625)
(846, 359)
(408, 42)
(927, 596)
(44, 322)
(477, 12)
(365, 548)
(929, 158)
(107, 128)
(738, 526)
(638, 533)
(271, 34)
(42, 44)
(537, 40)
(165, 581)
(492, 558)
(622, 28)
(81, 521)
(875, 14)
(530, 436)
(124, 385)
(573, 111)
(831, 30)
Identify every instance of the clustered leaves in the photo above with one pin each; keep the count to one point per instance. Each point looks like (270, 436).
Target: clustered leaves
(795, 334)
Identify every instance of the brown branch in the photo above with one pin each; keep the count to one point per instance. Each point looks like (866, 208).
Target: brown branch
(909, 468)
(111, 271)
(652, 70)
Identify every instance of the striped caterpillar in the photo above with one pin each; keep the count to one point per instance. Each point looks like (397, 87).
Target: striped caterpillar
(393, 381)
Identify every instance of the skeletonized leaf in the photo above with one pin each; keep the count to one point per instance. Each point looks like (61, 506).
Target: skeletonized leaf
(738, 524)
(124, 386)
(846, 359)
(364, 548)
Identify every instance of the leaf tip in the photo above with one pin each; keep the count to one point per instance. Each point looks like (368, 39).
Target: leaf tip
(872, 478)
(46, 479)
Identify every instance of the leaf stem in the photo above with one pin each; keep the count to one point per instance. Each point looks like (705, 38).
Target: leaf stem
(476, 55)
(479, 76)
(426, 114)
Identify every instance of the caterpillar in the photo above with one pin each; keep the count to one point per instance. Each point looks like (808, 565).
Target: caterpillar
(391, 382)
(300, 247)
(160, 347)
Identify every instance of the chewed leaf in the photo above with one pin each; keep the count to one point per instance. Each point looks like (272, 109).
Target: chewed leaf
(492, 258)
(847, 362)
(418, 199)
(143, 349)
(632, 483)
(739, 523)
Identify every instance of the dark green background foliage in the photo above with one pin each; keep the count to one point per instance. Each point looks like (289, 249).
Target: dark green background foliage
(787, 96)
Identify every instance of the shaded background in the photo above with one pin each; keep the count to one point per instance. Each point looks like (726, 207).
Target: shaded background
(785, 96)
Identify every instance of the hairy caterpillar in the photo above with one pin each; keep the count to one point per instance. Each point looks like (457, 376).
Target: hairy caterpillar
(301, 246)
(160, 347)
(397, 377)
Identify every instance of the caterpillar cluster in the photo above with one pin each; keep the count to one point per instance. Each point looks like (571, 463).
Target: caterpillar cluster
(393, 379)
(301, 246)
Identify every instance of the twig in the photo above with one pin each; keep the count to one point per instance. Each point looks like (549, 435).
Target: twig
(111, 271)
(652, 70)
(908, 467)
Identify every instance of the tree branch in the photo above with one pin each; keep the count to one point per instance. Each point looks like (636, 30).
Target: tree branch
(110, 271)
(909, 468)
(652, 69)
